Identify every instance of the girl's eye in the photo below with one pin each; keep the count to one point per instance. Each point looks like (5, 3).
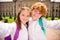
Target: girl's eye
(22, 14)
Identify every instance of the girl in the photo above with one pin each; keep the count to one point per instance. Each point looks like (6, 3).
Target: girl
(37, 24)
(18, 29)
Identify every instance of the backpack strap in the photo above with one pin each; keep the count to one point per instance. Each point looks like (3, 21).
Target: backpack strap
(41, 25)
(16, 34)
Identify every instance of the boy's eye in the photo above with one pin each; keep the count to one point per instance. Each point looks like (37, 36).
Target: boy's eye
(27, 15)
(37, 13)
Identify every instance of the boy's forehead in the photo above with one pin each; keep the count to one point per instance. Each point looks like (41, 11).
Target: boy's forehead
(35, 10)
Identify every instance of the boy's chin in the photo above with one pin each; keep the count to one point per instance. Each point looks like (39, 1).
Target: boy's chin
(34, 19)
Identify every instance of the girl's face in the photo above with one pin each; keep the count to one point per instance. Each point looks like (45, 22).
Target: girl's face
(24, 16)
(35, 15)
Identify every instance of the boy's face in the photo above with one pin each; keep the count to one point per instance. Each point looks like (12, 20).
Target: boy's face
(35, 14)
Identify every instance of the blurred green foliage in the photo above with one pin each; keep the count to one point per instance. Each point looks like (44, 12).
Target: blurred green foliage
(10, 20)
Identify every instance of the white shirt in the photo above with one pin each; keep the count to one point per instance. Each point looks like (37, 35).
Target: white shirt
(52, 24)
(10, 29)
(35, 32)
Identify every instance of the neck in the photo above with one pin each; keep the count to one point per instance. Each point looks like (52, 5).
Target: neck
(35, 19)
(25, 24)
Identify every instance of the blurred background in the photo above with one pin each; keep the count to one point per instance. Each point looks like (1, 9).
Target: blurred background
(9, 8)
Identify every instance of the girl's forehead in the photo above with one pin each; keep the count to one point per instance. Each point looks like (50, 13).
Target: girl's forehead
(25, 12)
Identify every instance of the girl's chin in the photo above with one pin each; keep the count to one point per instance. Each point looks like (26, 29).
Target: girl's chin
(24, 22)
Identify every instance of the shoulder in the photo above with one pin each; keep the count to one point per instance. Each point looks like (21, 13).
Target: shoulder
(44, 20)
(30, 19)
(13, 25)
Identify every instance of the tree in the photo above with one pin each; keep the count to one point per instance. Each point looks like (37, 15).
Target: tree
(0, 17)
